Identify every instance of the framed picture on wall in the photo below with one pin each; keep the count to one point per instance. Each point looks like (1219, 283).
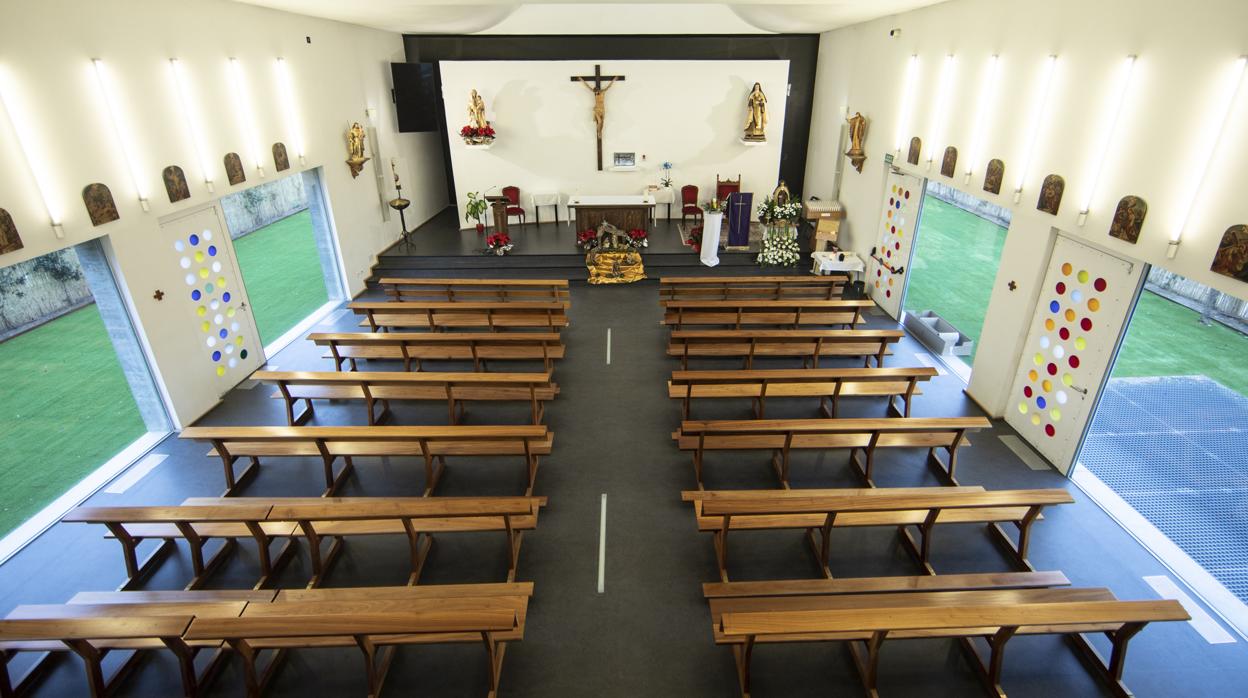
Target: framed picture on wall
(625, 160)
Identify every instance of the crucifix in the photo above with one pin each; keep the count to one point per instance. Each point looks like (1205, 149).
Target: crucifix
(600, 107)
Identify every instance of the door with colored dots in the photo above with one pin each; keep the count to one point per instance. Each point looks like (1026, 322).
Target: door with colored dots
(207, 298)
(1083, 304)
(886, 272)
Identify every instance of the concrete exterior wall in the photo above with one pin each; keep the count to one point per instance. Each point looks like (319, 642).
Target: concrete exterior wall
(38, 290)
(250, 210)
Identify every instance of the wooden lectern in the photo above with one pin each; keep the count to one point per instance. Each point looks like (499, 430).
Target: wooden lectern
(498, 205)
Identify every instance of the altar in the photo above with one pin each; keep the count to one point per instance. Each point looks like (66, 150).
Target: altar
(624, 212)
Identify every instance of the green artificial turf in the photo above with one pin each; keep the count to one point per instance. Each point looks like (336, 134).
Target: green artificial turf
(65, 409)
(1167, 339)
(954, 266)
(282, 271)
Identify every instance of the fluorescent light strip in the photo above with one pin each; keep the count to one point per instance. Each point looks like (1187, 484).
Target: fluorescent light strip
(936, 139)
(1113, 116)
(1230, 91)
(23, 133)
(907, 100)
(983, 114)
(246, 116)
(194, 131)
(291, 108)
(128, 152)
(1041, 110)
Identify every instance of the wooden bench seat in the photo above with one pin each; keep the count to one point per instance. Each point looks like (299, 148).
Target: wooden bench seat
(808, 345)
(782, 436)
(440, 315)
(432, 444)
(820, 511)
(370, 625)
(315, 519)
(991, 616)
(738, 314)
(740, 287)
(829, 385)
(380, 388)
(501, 290)
(414, 349)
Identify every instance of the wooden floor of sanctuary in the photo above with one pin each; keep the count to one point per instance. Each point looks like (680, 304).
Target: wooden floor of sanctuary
(648, 631)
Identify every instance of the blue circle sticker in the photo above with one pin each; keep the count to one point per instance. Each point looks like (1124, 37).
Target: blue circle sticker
(1054, 306)
(196, 295)
(224, 333)
(216, 356)
(194, 239)
(212, 250)
(225, 296)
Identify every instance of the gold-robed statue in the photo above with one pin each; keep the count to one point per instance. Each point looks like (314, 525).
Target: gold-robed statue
(355, 149)
(476, 111)
(857, 132)
(756, 118)
(614, 260)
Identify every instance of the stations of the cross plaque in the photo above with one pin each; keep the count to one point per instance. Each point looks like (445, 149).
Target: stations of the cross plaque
(600, 107)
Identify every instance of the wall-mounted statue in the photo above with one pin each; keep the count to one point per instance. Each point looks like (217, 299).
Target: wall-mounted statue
(355, 149)
(281, 161)
(916, 149)
(1232, 257)
(756, 115)
(175, 184)
(1051, 191)
(857, 133)
(234, 169)
(1128, 219)
(100, 205)
(10, 241)
(993, 175)
(949, 163)
(476, 111)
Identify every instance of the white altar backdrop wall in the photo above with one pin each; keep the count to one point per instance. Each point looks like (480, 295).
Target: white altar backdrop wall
(690, 113)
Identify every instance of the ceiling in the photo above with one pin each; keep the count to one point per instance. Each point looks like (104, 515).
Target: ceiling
(578, 16)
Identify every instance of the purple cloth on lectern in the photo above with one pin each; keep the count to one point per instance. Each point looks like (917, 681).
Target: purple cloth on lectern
(739, 206)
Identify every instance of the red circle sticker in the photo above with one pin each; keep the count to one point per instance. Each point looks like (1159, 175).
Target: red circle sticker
(1027, 390)
(1086, 324)
(1099, 284)
(1061, 288)
(1048, 429)
(1052, 369)
(1074, 361)
(1064, 333)
(907, 193)
(888, 294)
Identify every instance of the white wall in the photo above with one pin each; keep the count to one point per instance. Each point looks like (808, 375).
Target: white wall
(47, 47)
(623, 18)
(691, 113)
(1184, 52)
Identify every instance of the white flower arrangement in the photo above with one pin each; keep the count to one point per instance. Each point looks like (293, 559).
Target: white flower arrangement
(771, 212)
(779, 249)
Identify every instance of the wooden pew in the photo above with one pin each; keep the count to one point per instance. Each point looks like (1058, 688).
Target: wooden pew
(382, 387)
(513, 596)
(991, 616)
(199, 520)
(827, 384)
(821, 510)
(90, 638)
(762, 287)
(416, 348)
(440, 315)
(781, 436)
(198, 526)
(501, 290)
(93, 651)
(370, 624)
(737, 314)
(432, 444)
(808, 345)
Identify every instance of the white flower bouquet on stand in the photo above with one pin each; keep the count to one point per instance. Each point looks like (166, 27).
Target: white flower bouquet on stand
(780, 248)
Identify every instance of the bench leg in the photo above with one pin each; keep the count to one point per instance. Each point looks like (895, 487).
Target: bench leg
(741, 655)
(989, 673)
(921, 550)
(820, 549)
(334, 481)
(943, 471)
(137, 571)
(251, 678)
(1017, 551)
(91, 660)
(433, 474)
(863, 470)
(232, 481)
(531, 473)
(370, 664)
(186, 664)
(1110, 672)
(419, 555)
(868, 666)
(206, 568)
(500, 649)
(491, 661)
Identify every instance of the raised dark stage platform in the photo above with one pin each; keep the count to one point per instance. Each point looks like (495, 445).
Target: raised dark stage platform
(441, 248)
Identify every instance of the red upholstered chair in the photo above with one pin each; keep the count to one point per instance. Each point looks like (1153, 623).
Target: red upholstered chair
(724, 187)
(513, 203)
(689, 203)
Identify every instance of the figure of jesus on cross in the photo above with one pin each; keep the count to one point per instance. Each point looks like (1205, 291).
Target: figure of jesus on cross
(600, 106)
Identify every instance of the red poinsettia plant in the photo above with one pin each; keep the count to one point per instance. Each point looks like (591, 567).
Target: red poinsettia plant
(637, 234)
(695, 238)
(497, 240)
(477, 134)
(586, 237)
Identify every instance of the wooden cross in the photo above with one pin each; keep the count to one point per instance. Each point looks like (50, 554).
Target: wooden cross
(600, 107)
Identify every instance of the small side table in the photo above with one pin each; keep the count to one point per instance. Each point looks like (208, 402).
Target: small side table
(663, 195)
(545, 199)
(827, 262)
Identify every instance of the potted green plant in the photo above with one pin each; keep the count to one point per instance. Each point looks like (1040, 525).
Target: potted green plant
(475, 211)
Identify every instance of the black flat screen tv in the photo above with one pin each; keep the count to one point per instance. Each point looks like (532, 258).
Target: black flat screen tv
(415, 96)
